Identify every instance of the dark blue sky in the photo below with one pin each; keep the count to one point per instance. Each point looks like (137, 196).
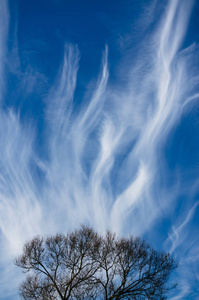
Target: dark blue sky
(99, 125)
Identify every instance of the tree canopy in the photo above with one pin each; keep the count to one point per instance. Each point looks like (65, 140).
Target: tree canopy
(85, 265)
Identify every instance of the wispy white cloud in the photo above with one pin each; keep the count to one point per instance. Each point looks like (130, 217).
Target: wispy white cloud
(100, 162)
(20, 211)
(178, 234)
(183, 242)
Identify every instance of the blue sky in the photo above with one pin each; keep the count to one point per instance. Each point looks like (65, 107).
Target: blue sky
(99, 124)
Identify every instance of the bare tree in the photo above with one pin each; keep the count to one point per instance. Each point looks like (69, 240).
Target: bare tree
(84, 265)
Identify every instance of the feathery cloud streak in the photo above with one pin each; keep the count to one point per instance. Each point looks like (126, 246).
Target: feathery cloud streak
(102, 160)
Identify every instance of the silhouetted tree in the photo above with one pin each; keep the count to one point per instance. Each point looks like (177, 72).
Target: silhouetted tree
(85, 265)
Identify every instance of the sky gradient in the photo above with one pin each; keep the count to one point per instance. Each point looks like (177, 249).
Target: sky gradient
(99, 125)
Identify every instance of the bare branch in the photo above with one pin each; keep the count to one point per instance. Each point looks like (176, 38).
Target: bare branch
(83, 265)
